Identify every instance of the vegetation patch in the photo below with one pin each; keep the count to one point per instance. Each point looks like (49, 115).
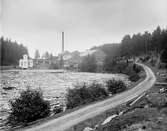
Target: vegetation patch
(83, 94)
(158, 100)
(28, 107)
(115, 86)
(128, 119)
(134, 77)
(11, 52)
(123, 66)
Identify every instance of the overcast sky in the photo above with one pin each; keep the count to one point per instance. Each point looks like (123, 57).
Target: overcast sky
(38, 23)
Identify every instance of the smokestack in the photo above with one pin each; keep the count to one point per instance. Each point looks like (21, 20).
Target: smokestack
(62, 42)
(61, 58)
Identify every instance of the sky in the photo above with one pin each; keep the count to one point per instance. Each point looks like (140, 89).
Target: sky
(38, 24)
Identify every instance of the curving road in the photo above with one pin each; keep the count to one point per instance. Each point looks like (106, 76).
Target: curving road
(73, 118)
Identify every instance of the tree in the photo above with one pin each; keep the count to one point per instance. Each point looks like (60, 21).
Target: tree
(37, 54)
(126, 46)
(109, 63)
(156, 39)
(46, 55)
(147, 41)
(50, 56)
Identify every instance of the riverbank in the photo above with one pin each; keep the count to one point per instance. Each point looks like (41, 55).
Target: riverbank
(147, 112)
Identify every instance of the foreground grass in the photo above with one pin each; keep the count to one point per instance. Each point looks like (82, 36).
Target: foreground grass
(148, 113)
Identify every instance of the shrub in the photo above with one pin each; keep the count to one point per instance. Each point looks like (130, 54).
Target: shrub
(28, 107)
(134, 77)
(115, 86)
(83, 94)
(75, 96)
(97, 91)
(58, 109)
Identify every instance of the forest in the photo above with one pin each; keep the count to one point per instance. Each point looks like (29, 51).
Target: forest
(146, 44)
(11, 52)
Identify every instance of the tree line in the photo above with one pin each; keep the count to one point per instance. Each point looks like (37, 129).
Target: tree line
(11, 52)
(154, 43)
(146, 44)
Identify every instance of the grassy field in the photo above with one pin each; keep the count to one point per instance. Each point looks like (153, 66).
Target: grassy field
(148, 113)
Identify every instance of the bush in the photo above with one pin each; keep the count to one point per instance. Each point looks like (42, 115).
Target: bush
(115, 86)
(133, 72)
(134, 77)
(58, 109)
(83, 94)
(97, 91)
(28, 107)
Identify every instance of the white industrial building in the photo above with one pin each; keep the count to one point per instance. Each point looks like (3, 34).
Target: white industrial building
(25, 62)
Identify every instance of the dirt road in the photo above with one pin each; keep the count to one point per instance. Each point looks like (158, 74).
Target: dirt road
(75, 117)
